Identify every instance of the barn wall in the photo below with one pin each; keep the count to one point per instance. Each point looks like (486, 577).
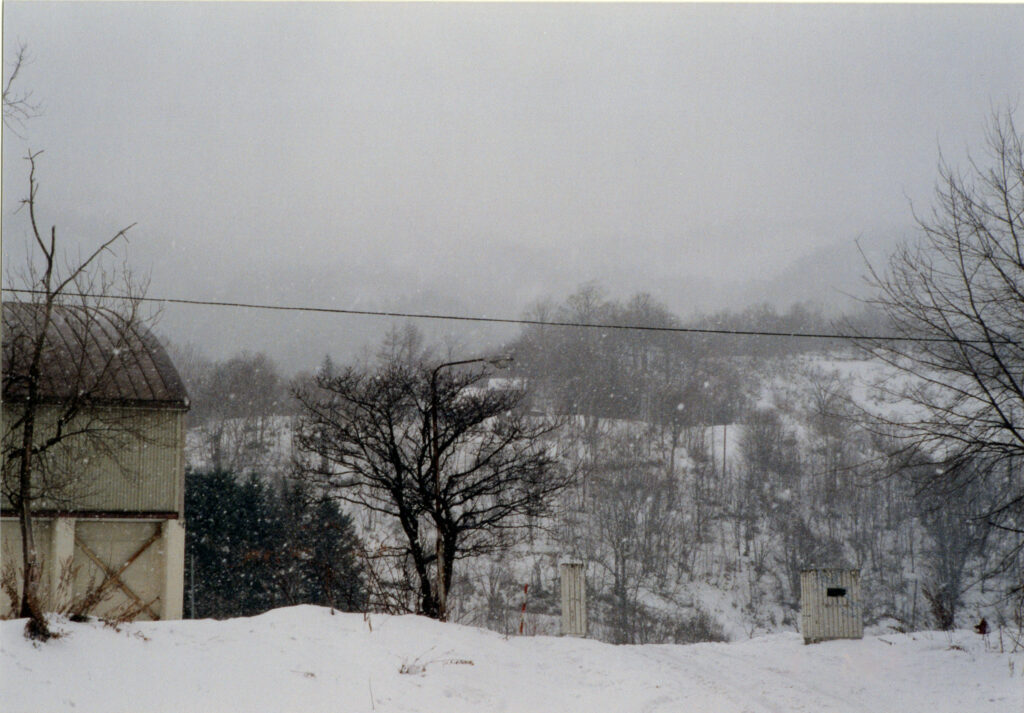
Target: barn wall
(144, 473)
(151, 585)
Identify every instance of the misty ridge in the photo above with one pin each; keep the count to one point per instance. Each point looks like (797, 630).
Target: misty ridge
(828, 281)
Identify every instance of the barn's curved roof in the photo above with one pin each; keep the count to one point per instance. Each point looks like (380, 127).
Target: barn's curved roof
(90, 352)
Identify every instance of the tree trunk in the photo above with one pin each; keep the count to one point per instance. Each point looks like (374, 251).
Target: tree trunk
(450, 544)
(30, 556)
(428, 596)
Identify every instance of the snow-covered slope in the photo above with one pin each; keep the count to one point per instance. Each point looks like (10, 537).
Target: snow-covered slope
(308, 659)
(731, 566)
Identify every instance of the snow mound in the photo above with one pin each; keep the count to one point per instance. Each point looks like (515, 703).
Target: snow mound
(309, 659)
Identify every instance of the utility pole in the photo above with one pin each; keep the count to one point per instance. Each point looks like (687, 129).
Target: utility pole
(192, 583)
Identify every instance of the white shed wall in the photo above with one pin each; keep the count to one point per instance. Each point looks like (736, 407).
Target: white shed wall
(824, 617)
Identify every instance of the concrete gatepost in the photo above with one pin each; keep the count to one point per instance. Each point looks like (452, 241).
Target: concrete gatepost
(61, 555)
(173, 595)
(574, 598)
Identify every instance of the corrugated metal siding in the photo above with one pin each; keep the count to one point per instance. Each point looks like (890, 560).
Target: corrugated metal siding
(145, 475)
(824, 617)
(179, 464)
(148, 477)
(574, 599)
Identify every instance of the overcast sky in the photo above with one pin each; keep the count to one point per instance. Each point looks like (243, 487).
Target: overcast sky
(474, 158)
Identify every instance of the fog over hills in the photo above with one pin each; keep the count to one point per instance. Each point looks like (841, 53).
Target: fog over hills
(830, 278)
(473, 159)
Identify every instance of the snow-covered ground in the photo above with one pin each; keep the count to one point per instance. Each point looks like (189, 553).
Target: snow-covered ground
(308, 659)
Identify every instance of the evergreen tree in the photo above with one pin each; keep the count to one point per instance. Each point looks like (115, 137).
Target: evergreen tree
(252, 547)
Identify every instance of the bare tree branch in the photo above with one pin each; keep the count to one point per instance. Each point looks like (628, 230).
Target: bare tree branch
(18, 107)
(63, 358)
(963, 281)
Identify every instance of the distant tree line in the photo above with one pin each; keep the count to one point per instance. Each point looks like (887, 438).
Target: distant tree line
(240, 411)
(662, 376)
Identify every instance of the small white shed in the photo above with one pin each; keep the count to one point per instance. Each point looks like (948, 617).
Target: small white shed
(830, 606)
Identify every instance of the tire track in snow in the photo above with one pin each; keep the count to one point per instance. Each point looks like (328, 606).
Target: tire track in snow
(762, 689)
(707, 680)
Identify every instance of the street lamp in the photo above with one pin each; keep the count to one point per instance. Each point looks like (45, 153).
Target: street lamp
(498, 362)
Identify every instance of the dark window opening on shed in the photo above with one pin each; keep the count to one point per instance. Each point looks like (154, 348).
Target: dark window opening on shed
(836, 592)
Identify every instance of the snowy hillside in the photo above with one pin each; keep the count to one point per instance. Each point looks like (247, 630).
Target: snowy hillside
(708, 526)
(306, 658)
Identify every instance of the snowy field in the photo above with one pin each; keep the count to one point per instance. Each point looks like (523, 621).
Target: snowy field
(306, 659)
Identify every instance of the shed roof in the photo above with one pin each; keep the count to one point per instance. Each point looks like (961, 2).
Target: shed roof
(92, 352)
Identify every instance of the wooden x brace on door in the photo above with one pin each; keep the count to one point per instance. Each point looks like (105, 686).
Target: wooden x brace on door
(114, 578)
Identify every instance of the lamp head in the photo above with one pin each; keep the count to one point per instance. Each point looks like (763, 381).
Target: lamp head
(500, 362)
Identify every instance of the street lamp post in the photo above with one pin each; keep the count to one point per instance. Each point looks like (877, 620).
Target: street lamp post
(501, 362)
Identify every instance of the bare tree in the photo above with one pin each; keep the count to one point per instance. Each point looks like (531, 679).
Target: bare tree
(368, 435)
(633, 529)
(953, 539)
(64, 350)
(957, 295)
(18, 105)
(403, 345)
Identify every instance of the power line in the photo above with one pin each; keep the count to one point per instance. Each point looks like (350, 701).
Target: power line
(509, 320)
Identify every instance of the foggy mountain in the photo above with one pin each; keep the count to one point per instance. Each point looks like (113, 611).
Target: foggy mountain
(828, 277)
